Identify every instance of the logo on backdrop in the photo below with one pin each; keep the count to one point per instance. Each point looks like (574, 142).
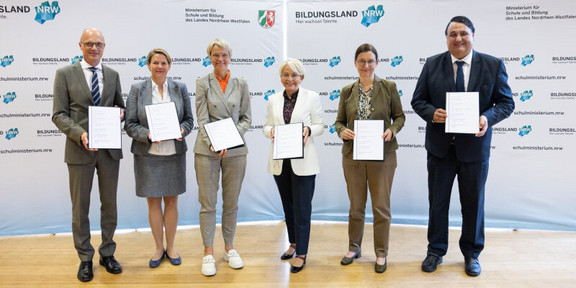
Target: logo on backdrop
(332, 128)
(142, 61)
(206, 62)
(400, 93)
(268, 94)
(528, 59)
(9, 97)
(266, 18)
(334, 95)
(525, 130)
(77, 59)
(46, 11)
(563, 59)
(335, 61)
(372, 15)
(526, 95)
(396, 61)
(7, 60)
(10, 134)
(269, 61)
(562, 131)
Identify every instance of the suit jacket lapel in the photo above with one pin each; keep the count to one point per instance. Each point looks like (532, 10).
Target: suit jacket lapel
(82, 80)
(146, 92)
(175, 96)
(216, 91)
(449, 71)
(474, 72)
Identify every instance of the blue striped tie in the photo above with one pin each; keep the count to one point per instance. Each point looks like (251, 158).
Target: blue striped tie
(95, 87)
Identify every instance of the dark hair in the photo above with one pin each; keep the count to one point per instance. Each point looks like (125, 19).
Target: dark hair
(366, 48)
(460, 19)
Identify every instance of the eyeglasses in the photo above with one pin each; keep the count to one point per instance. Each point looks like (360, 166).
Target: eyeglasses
(98, 45)
(224, 56)
(370, 62)
(293, 75)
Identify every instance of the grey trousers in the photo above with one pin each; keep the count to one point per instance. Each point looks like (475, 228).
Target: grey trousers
(81, 177)
(208, 175)
(376, 176)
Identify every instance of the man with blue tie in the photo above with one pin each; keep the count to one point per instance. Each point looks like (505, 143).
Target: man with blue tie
(460, 69)
(76, 87)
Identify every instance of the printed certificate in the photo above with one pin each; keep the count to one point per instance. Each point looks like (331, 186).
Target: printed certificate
(104, 130)
(163, 121)
(463, 110)
(223, 134)
(288, 141)
(368, 142)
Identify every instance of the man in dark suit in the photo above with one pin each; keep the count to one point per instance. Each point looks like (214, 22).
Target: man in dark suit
(76, 87)
(465, 155)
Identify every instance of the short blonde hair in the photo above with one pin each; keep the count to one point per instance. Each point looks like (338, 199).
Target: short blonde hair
(295, 65)
(158, 51)
(218, 42)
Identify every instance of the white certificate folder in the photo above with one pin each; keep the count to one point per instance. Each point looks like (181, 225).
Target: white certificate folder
(104, 130)
(368, 142)
(223, 134)
(163, 121)
(288, 141)
(463, 109)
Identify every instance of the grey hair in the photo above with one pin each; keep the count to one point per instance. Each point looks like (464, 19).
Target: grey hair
(295, 65)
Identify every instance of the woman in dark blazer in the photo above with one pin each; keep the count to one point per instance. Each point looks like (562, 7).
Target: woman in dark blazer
(159, 167)
(219, 95)
(295, 178)
(369, 98)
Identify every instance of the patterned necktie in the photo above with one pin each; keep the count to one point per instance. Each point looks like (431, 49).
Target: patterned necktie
(460, 77)
(95, 87)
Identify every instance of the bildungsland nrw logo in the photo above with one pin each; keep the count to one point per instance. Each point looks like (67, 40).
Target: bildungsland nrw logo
(334, 95)
(47, 11)
(11, 134)
(396, 61)
(9, 97)
(528, 59)
(400, 93)
(206, 62)
(372, 15)
(77, 59)
(332, 128)
(268, 94)
(269, 61)
(525, 130)
(335, 61)
(142, 61)
(6, 60)
(266, 18)
(526, 95)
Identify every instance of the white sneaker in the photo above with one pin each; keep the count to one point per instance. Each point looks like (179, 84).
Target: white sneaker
(208, 266)
(233, 259)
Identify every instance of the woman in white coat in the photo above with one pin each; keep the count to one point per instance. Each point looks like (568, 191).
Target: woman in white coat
(295, 178)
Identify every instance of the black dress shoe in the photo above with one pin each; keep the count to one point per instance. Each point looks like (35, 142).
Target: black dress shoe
(85, 273)
(431, 263)
(286, 256)
(295, 269)
(472, 267)
(347, 261)
(112, 266)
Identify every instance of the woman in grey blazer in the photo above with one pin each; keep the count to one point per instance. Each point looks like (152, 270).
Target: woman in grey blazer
(219, 96)
(159, 167)
(295, 178)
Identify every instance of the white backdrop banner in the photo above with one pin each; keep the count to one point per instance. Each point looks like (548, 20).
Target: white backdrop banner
(529, 185)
